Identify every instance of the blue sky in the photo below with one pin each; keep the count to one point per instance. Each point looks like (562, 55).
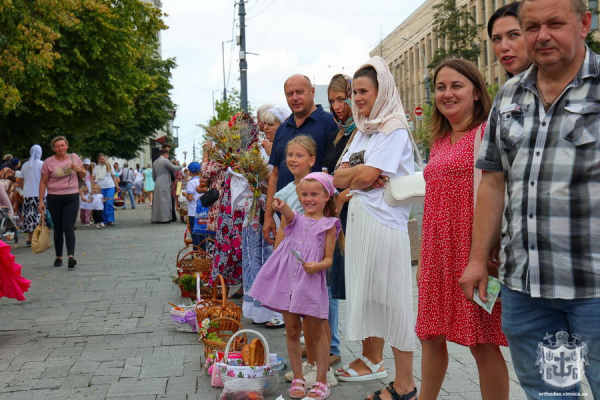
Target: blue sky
(315, 38)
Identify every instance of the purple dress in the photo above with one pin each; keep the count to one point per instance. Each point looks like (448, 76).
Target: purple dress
(282, 284)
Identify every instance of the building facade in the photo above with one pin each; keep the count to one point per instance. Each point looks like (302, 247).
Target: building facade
(412, 45)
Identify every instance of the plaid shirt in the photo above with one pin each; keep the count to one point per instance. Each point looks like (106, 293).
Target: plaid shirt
(551, 163)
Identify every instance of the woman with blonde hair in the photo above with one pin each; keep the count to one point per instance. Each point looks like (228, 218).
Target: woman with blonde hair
(60, 174)
(460, 111)
(108, 181)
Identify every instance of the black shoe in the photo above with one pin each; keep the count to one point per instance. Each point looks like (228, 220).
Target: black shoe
(72, 262)
(58, 262)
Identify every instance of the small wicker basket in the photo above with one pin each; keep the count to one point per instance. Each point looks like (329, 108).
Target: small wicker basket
(182, 320)
(259, 373)
(213, 308)
(225, 333)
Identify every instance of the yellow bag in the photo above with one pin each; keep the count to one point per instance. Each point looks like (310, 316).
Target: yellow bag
(178, 189)
(40, 240)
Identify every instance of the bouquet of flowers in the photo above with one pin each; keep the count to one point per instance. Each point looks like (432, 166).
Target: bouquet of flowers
(230, 139)
(207, 329)
(254, 168)
(227, 144)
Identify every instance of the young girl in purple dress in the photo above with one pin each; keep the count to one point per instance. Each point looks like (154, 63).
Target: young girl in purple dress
(293, 280)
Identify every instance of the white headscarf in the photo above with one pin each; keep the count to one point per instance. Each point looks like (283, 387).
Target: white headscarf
(32, 172)
(387, 114)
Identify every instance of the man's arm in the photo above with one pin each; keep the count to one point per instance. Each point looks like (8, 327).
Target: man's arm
(269, 224)
(486, 225)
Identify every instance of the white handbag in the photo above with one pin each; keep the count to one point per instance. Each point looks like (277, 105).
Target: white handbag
(406, 189)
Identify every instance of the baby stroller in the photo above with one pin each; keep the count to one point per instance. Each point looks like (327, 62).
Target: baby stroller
(8, 228)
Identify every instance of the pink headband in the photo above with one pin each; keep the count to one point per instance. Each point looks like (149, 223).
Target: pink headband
(324, 179)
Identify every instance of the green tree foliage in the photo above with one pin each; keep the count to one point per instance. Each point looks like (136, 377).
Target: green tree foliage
(592, 43)
(87, 69)
(422, 134)
(458, 33)
(225, 109)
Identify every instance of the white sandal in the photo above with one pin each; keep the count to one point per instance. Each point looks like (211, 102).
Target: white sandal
(355, 377)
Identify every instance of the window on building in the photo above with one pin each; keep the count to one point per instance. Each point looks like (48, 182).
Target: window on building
(475, 14)
(485, 53)
(483, 11)
(594, 10)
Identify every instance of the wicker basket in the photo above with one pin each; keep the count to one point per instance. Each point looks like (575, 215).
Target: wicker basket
(225, 333)
(187, 237)
(259, 373)
(213, 308)
(198, 261)
(178, 316)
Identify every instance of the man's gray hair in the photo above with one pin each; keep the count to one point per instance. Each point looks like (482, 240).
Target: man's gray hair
(579, 7)
(126, 165)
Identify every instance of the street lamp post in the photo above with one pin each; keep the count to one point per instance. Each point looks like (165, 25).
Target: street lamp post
(424, 55)
(223, 55)
(185, 156)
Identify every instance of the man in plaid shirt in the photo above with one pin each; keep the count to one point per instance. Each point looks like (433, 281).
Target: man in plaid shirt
(542, 145)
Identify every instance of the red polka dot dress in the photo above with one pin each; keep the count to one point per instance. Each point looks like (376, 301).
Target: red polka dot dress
(447, 223)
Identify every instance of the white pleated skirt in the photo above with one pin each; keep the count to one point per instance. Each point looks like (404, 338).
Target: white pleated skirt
(378, 280)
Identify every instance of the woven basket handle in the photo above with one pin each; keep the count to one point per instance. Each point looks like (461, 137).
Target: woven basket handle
(223, 294)
(42, 219)
(244, 331)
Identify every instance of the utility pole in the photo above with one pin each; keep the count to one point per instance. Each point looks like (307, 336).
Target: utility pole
(224, 84)
(243, 63)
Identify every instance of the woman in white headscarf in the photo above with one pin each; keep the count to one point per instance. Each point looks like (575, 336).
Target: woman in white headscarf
(31, 173)
(378, 267)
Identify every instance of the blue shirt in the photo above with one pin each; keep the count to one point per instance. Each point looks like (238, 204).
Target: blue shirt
(319, 125)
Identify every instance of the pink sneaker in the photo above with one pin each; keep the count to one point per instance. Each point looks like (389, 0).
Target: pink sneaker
(319, 391)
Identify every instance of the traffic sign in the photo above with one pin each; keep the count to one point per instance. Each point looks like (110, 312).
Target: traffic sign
(408, 117)
(418, 111)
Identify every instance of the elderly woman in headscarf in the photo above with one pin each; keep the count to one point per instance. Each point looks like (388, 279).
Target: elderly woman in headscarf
(271, 119)
(378, 268)
(31, 173)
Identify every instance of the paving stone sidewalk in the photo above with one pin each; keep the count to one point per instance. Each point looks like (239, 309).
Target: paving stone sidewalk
(103, 330)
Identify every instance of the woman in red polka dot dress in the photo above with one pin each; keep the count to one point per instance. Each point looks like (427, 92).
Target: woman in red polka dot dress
(461, 109)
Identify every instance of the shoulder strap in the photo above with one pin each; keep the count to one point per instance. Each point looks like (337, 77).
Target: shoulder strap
(418, 157)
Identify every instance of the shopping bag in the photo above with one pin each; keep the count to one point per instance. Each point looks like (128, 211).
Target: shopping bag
(40, 240)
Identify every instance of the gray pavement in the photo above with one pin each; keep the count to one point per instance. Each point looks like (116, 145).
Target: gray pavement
(103, 330)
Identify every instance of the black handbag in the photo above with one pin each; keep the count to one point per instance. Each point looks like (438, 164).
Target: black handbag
(209, 198)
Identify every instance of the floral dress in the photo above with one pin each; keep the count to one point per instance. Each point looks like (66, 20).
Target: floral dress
(227, 257)
(447, 222)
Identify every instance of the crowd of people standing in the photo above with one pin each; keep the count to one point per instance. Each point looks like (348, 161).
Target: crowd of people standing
(510, 193)
(363, 143)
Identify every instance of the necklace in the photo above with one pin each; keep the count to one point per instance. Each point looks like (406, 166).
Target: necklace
(460, 134)
(545, 103)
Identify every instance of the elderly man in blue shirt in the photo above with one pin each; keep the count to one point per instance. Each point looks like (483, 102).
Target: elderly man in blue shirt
(306, 119)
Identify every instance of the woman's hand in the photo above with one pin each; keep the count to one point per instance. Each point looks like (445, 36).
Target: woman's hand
(42, 207)
(77, 168)
(267, 145)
